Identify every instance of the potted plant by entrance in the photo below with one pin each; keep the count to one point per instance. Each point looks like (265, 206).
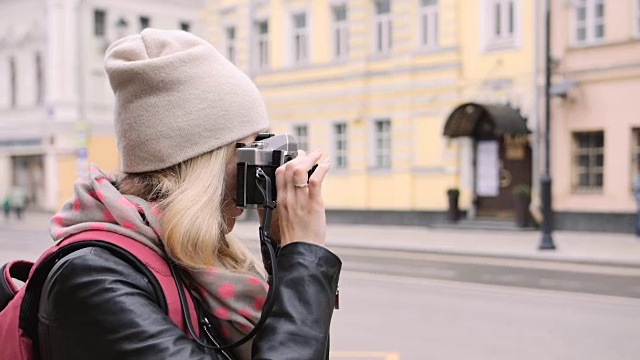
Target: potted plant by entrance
(453, 212)
(522, 196)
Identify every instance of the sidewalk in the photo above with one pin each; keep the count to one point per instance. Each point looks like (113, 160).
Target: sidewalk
(31, 220)
(582, 247)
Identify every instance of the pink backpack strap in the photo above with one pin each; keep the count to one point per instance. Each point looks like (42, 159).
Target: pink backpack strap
(155, 263)
(17, 269)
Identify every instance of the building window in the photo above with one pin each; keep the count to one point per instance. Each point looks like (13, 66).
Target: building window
(589, 21)
(99, 21)
(340, 145)
(429, 23)
(145, 22)
(501, 28)
(340, 32)
(300, 43)
(185, 26)
(39, 80)
(382, 145)
(382, 27)
(13, 83)
(635, 156)
(301, 133)
(588, 160)
(230, 35)
(636, 20)
(262, 44)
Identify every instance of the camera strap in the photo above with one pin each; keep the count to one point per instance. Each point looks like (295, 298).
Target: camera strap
(267, 244)
(269, 249)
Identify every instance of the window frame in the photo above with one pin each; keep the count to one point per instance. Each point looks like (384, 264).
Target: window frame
(591, 169)
(340, 132)
(13, 82)
(99, 30)
(39, 78)
(340, 32)
(144, 21)
(261, 44)
(636, 19)
(495, 25)
(300, 39)
(589, 23)
(635, 155)
(381, 144)
(382, 29)
(230, 47)
(429, 32)
(302, 140)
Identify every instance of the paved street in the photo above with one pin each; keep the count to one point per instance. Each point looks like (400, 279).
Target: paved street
(595, 279)
(440, 320)
(432, 299)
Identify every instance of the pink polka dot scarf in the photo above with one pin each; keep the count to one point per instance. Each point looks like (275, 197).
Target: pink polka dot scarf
(236, 300)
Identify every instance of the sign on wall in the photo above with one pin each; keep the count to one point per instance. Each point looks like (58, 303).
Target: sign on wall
(488, 168)
(82, 141)
(515, 146)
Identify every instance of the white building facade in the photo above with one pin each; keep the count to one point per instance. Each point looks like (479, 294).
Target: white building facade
(56, 105)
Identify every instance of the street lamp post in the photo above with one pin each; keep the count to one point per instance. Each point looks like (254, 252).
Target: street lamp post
(546, 197)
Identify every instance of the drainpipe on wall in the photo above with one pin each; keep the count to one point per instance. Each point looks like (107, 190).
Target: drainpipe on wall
(50, 161)
(82, 127)
(250, 37)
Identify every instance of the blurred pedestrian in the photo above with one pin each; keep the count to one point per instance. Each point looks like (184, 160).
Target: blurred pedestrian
(181, 111)
(6, 207)
(18, 201)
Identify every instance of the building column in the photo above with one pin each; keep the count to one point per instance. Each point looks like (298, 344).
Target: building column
(63, 60)
(5, 180)
(64, 91)
(51, 185)
(467, 175)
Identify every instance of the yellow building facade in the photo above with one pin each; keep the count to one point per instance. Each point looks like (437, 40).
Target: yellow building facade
(373, 84)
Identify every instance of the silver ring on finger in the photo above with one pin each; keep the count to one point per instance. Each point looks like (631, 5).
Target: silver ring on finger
(301, 186)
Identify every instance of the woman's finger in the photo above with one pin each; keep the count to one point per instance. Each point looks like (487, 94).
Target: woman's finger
(292, 163)
(301, 165)
(315, 181)
(281, 184)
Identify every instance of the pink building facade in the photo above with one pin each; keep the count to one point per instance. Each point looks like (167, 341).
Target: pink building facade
(595, 122)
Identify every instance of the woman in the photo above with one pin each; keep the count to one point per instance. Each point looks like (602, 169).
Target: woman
(180, 110)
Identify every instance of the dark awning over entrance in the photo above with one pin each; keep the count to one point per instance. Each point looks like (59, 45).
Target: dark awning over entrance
(485, 121)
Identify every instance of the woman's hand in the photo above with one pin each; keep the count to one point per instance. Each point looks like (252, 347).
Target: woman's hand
(300, 208)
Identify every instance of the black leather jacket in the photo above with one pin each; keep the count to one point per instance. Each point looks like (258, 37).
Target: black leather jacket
(96, 306)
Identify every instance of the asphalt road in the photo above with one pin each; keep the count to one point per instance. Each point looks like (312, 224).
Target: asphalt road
(396, 317)
(581, 278)
(399, 305)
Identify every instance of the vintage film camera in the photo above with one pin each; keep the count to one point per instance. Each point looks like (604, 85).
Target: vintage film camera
(263, 156)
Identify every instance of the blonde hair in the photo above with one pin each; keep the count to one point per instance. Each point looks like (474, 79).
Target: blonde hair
(190, 197)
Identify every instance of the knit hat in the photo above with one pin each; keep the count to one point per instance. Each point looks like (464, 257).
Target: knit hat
(177, 97)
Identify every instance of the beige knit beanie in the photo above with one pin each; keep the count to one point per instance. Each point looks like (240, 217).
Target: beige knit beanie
(177, 97)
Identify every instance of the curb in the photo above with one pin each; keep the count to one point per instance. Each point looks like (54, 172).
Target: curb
(462, 253)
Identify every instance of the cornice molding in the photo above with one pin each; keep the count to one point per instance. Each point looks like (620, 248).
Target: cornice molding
(34, 34)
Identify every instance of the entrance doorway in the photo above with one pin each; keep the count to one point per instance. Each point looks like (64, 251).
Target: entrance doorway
(501, 165)
(501, 154)
(28, 174)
